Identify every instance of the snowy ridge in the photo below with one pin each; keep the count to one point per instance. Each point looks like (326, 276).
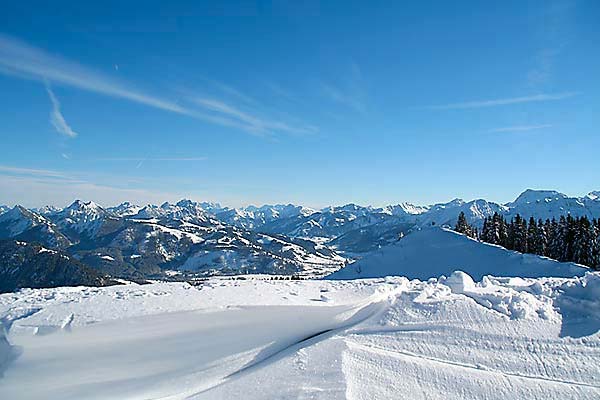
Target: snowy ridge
(20, 223)
(125, 209)
(81, 217)
(546, 204)
(432, 252)
(19, 219)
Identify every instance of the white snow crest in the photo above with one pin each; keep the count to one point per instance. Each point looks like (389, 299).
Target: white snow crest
(505, 300)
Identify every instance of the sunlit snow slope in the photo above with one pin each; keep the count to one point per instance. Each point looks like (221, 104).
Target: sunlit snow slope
(432, 252)
(364, 339)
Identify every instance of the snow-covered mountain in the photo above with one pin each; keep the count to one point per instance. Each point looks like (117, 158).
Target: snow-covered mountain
(184, 210)
(356, 229)
(23, 224)
(82, 219)
(447, 213)
(147, 247)
(181, 236)
(125, 209)
(358, 225)
(528, 329)
(4, 209)
(205, 238)
(252, 217)
(30, 265)
(548, 204)
(593, 195)
(46, 210)
(331, 222)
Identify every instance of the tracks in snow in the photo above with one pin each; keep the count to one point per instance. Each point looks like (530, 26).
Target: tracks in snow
(405, 354)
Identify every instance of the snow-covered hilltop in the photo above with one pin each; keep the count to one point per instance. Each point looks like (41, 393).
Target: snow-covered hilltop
(432, 252)
(386, 338)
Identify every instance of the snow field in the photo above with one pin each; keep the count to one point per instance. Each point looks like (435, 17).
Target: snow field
(451, 338)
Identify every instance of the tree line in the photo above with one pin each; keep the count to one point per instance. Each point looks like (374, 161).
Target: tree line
(569, 238)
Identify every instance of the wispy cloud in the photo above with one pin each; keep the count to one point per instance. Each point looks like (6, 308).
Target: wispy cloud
(30, 171)
(544, 61)
(233, 92)
(152, 159)
(141, 160)
(521, 128)
(251, 122)
(503, 102)
(350, 92)
(56, 117)
(553, 36)
(19, 59)
(279, 91)
(342, 97)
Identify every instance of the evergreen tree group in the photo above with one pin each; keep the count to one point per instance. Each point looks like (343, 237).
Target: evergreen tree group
(570, 238)
(462, 226)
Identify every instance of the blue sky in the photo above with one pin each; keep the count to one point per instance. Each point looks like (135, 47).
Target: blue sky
(275, 102)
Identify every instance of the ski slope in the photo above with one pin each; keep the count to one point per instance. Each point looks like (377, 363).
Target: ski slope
(432, 252)
(449, 338)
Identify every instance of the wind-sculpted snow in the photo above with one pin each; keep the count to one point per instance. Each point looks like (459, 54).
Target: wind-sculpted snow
(7, 351)
(579, 304)
(452, 338)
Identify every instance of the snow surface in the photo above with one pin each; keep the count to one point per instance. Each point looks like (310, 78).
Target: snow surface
(385, 338)
(432, 252)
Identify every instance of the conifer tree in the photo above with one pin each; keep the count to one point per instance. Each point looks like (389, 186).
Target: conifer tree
(502, 229)
(583, 241)
(519, 234)
(560, 245)
(541, 243)
(548, 230)
(462, 226)
(596, 245)
(486, 231)
(568, 239)
(532, 236)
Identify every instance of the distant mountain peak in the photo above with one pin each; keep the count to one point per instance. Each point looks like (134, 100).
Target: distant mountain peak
(186, 203)
(125, 209)
(19, 212)
(534, 195)
(83, 205)
(594, 195)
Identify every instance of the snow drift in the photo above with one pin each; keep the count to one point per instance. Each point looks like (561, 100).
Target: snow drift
(434, 252)
(391, 338)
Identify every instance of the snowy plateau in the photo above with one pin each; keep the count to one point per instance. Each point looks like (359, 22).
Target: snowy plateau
(384, 338)
(434, 315)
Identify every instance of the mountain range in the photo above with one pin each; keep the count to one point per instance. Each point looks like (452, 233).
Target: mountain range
(30, 265)
(198, 238)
